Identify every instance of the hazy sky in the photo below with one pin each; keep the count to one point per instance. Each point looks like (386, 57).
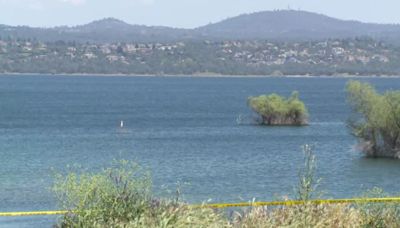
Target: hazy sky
(182, 13)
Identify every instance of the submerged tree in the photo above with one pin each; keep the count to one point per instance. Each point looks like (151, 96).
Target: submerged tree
(376, 119)
(278, 110)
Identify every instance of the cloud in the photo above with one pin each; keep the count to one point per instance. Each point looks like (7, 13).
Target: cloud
(141, 2)
(27, 4)
(75, 2)
(147, 2)
(36, 5)
(40, 4)
(82, 2)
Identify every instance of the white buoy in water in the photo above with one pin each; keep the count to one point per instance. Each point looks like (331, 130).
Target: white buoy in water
(122, 124)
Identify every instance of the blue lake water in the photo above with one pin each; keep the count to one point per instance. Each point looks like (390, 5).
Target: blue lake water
(183, 129)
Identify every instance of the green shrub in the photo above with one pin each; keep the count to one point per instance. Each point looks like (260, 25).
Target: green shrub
(121, 197)
(117, 195)
(376, 119)
(277, 110)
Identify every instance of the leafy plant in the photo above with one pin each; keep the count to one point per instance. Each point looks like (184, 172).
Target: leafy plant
(308, 183)
(277, 110)
(376, 119)
(121, 197)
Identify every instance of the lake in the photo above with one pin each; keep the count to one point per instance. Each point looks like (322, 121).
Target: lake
(195, 131)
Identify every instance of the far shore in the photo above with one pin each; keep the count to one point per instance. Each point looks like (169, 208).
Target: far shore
(201, 75)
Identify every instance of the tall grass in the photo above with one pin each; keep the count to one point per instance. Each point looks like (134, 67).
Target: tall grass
(308, 183)
(122, 197)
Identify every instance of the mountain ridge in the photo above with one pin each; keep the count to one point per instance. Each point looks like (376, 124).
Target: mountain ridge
(265, 25)
(291, 23)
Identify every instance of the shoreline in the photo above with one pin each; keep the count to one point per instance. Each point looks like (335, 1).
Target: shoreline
(200, 75)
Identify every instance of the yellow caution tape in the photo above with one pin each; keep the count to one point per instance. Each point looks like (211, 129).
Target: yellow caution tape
(32, 213)
(300, 202)
(227, 205)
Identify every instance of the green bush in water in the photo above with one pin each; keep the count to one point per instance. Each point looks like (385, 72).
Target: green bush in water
(278, 110)
(376, 119)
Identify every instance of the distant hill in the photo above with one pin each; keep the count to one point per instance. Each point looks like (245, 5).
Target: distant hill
(101, 31)
(112, 30)
(291, 24)
(274, 25)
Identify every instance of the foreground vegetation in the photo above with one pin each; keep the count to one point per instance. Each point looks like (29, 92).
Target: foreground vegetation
(121, 197)
(376, 119)
(278, 110)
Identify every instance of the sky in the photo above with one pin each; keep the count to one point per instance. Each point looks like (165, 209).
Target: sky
(182, 13)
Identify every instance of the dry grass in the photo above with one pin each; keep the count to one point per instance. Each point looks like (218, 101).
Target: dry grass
(300, 216)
